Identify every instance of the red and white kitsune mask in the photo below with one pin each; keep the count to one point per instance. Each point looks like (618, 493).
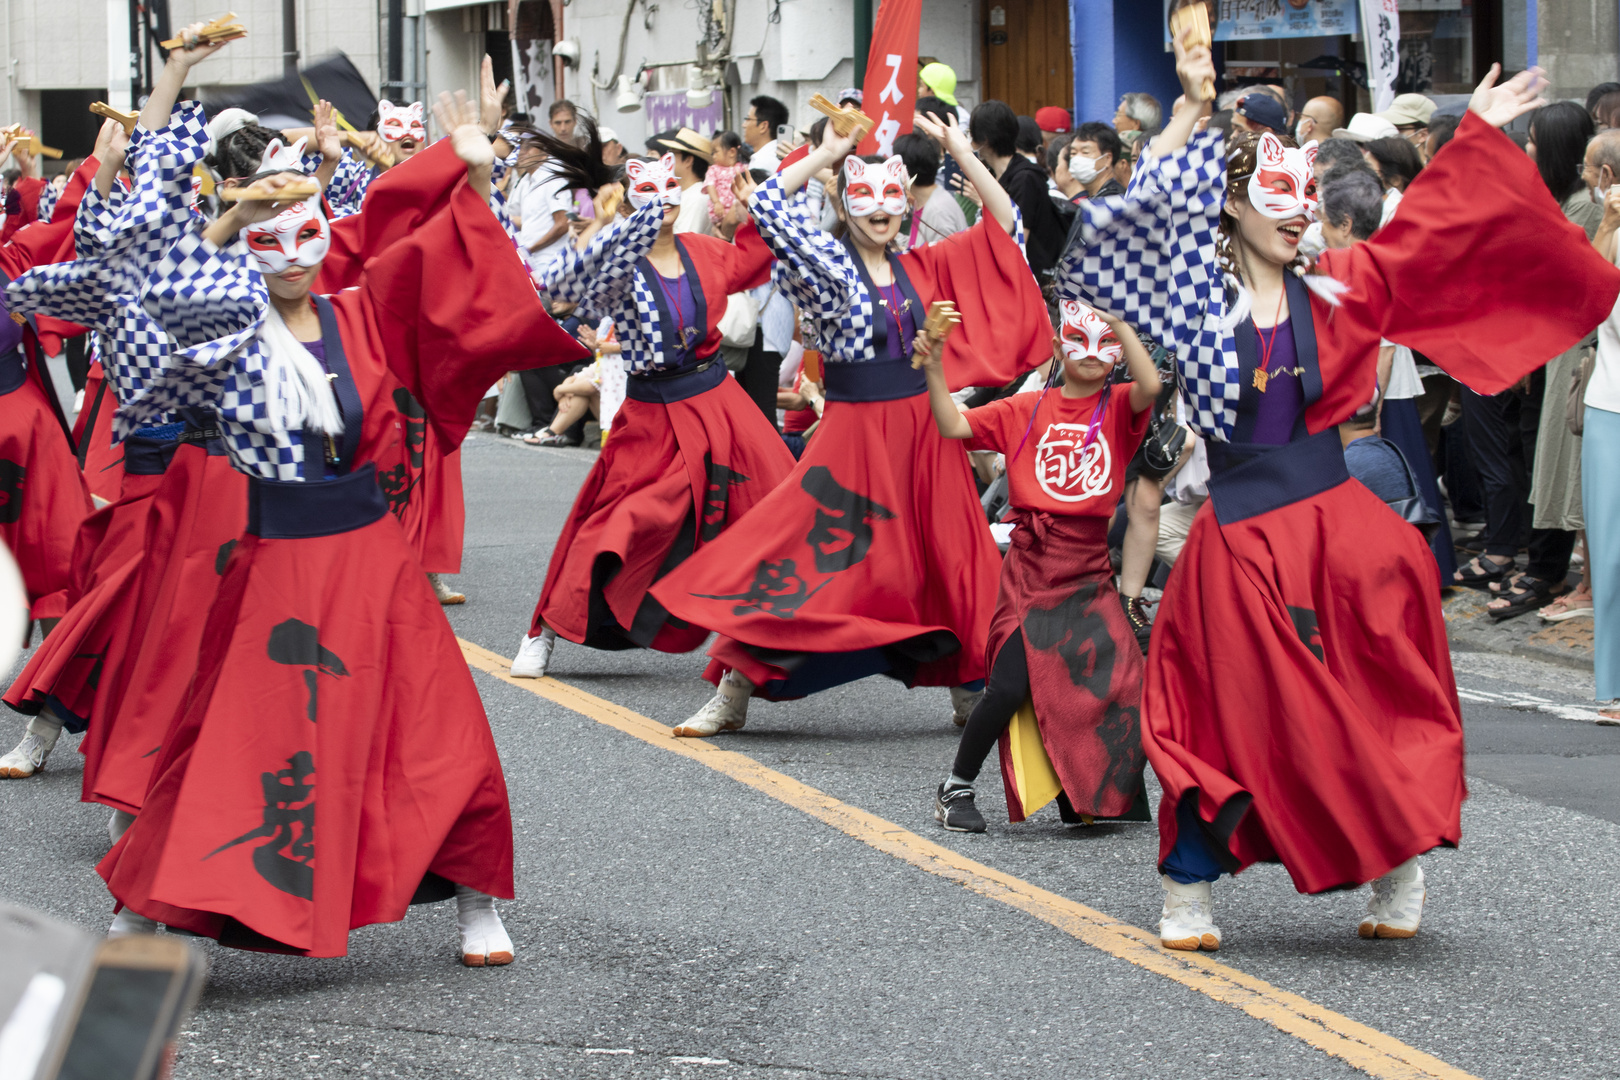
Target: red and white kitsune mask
(870, 188)
(1085, 334)
(1283, 185)
(298, 236)
(396, 122)
(653, 181)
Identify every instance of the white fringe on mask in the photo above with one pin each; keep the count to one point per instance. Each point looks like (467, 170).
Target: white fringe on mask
(298, 394)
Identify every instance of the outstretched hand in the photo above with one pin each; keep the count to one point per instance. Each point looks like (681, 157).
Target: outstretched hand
(327, 138)
(458, 118)
(1195, 66)
(195, 51)
(491, 98)
(1499, 106)
(927, 352)
(948, 134)
(111, 139)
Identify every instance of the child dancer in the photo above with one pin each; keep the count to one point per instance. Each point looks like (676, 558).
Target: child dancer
(1299, 704)
(873, 557)
(1059, 637)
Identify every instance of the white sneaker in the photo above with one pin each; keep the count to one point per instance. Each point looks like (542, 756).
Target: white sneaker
(1396, 906)
(534, 655)
(483, 939)
(726, 711)
(1187, 920)
(963, 702)
(28, 757)
(119, 824)
(127, 922)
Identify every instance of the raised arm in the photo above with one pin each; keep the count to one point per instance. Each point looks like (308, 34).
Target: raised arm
(815, 270)
(927, 353)
(1193, 67)
(166, 91)
(600, 274)
(1145, 381)
(997, 203)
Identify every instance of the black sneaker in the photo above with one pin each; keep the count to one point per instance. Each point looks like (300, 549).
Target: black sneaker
(954, 809)
(1136, 615)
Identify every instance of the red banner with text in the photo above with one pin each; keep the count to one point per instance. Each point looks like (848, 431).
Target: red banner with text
(890, 94)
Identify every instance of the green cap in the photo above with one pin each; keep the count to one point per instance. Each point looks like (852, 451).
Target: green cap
(941, 80)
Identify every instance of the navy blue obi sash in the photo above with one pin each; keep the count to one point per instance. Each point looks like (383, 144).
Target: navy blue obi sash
(664, 387)
(882, 380)
(292, 510)
(148, 455)
(1250, 479)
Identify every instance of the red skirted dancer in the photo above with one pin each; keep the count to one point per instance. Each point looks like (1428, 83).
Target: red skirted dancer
(1060, 644)
(324, 626)
(121, 234)
(873, 556)
(690, 452)
(43, 498)
(1300, 706)
(99, 457)
(22, 201)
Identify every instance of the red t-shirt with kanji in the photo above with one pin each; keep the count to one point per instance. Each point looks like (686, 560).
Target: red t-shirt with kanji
(1051, 472)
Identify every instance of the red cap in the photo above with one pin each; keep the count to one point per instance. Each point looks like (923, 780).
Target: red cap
(1052, 118)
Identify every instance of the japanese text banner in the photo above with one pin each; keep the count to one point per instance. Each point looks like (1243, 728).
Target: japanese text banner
(890, 93)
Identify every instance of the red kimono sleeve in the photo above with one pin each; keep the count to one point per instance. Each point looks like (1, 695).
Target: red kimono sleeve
(750, 260)
(50, 242)
(1006, 331)
(28, 189)
(450, 308)
(1479, 271)
(397, 203)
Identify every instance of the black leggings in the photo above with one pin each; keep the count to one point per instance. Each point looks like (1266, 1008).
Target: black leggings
(1006, 692)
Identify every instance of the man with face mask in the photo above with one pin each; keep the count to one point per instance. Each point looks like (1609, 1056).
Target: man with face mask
(1318, 119)
(1092, 156)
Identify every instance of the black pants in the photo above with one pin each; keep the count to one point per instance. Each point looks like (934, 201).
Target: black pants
(1502, 435)
(1005, 693)
(539, 389)
(759, 375)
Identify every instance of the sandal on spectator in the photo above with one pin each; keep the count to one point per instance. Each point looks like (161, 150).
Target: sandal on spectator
(1528, 594)
(1568, 606)
(1481, 571)
(545, 438)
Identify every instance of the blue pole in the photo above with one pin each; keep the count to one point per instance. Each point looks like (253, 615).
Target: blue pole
(1091, 41)
(1531, 45)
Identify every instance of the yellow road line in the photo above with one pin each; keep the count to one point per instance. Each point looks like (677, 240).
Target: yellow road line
(1332, 1033)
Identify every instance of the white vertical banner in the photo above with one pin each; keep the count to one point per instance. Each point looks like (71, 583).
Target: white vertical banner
(1381, 35)
(118, 56)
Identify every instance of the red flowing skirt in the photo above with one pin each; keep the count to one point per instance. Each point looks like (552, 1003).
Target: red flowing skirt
(103, 462)
(435, 519)
(672, 480)
(78, 663)
(1085, 668)
(196, 517)
(43, 498)
(1299, 685)
(333, 759)
(875, 541)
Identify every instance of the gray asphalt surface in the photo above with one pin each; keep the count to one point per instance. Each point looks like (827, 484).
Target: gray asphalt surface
(671, 922)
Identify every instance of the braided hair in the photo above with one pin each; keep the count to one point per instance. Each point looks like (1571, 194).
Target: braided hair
(237, 155)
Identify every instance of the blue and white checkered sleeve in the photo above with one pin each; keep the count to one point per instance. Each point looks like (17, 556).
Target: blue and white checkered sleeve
(162, 162)
(601, 275)
(96, 220)
(47, 202)
(812, 268)
(78, 291)
(347, 187)
(1148, 256)
(200, 293)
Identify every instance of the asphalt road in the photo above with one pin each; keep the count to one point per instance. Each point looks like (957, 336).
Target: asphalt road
(673, 922)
